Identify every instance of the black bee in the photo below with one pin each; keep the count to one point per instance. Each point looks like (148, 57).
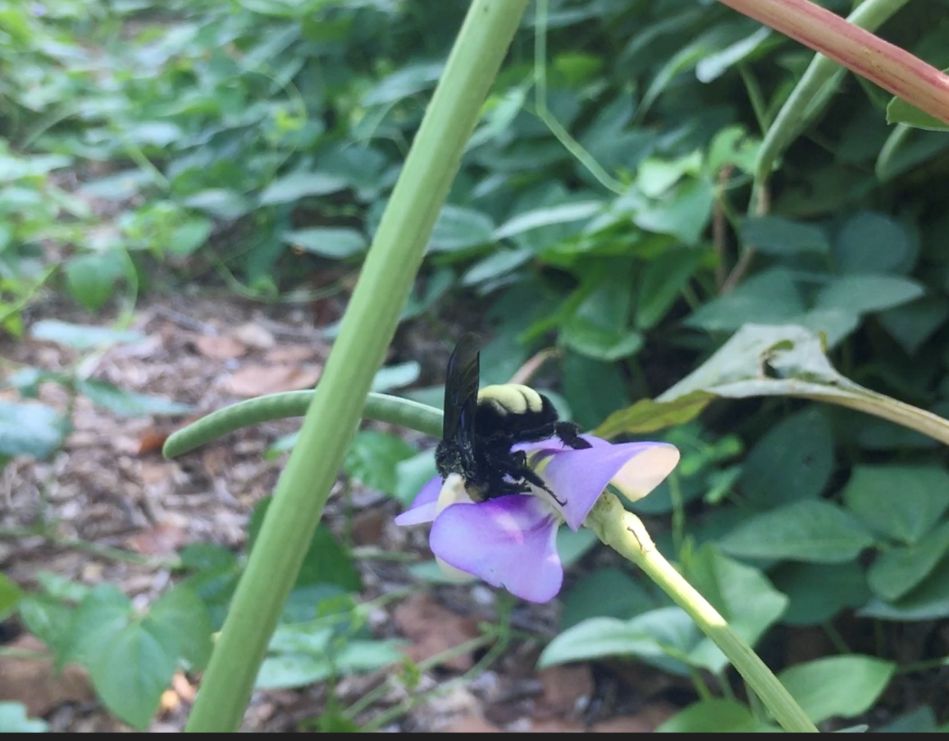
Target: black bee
(481, 426)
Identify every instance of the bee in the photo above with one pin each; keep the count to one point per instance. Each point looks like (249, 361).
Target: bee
(482, 425)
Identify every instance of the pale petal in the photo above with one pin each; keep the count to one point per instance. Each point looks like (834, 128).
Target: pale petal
(433, 498)
(578, 477)
(424, 506)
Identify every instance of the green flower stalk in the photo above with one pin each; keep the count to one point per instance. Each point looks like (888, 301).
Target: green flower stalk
(892, 68)
(366, 330)
(625, 533)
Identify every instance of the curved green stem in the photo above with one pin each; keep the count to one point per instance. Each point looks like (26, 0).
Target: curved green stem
(380, 407)
(366, 330)
(815, 88)
(623, 531)
(805, 103)
(894, 410)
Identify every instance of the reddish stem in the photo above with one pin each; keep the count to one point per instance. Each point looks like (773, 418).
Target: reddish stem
(892, 68)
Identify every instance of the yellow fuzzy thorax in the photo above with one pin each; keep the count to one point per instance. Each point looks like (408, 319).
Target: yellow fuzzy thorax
(511, 398)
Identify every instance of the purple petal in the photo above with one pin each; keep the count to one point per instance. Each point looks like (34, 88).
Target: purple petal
(424, 506)
(580, 476)
(555, 444)
(509, 542)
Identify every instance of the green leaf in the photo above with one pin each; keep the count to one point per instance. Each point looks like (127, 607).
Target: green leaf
(30, 429)
(871, 242)
(10, 594)
(297, 185)
(80, 336)
(431, 572)
(367, 656)
(495, 265)
(903, 502)
(776, 235)
(128, 403)
(897, 571)
(769, 297)
(920, 720)
(650, 636)
(683, 213)
(792, 461)
(373, 458)
(724, 716)
(928, 600)
(220, 202)
(661, 282)
(838, 686)
(913, 323)
(741, 593)
(563, 213)
(61, 587)
(411, 474)
(100, 617)
(319, 659)
(574, 545)
(189, 235)
(818, 592)
(604, 592)
(404, 82)
(898, 111)
(396, 376)
(91, 277)
(600, 343)
(647, 415)
(49, 620)
(459, 228)
(865, 293)
(292, 670)
(811, 530)
(119, 186)
(334, 243)
(13, 719)
(599, 327)
(655, 176)
(328, 562)
(831, 324)
(714, 65)
(182, 612)
(733, 146)
(132, 669)
(710, 41)
(593, 388)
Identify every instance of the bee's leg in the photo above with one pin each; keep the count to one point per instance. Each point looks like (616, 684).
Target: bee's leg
(521, 469)
(569, 433)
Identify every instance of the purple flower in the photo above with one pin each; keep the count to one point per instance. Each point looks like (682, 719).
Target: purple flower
(510, 541)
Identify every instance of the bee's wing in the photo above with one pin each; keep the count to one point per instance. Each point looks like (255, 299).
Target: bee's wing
(461, 392)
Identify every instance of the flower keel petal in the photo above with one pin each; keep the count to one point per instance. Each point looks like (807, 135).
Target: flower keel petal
(508, 542)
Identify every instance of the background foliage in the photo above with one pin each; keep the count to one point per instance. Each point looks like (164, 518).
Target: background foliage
(601, 208)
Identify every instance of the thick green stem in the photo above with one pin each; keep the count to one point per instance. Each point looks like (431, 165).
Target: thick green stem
(365, 332)
(623, 531)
